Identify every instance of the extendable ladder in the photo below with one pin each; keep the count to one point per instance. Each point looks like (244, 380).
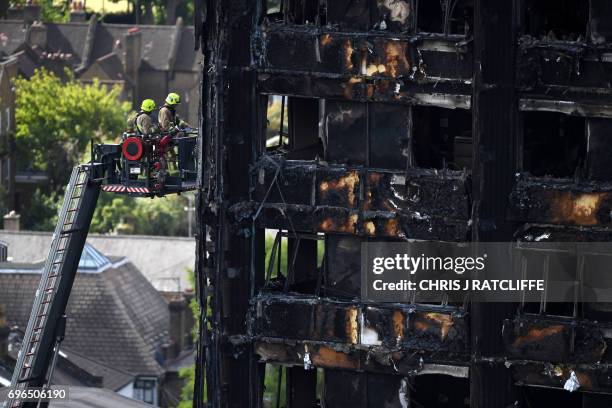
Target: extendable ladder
(47, 319)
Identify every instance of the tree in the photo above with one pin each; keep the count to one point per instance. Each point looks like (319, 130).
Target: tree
(142, 216)
(188, 373)
(50, 11)
(41, 214)
(56, 121)
(161, 11)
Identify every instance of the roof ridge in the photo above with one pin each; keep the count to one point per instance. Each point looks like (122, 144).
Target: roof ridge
(97, 235)
(122, 308)
(68, 351)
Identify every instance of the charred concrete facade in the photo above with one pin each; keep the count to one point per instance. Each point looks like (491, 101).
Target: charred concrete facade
(453, 120)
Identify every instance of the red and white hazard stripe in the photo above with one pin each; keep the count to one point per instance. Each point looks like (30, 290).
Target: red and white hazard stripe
(138, 190)
(117, 188)
(113, 188)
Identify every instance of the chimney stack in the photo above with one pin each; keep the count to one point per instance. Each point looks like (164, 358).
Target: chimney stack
(31, 13)
(178, 308)
(131, 59)
(12, 221)
(77, 12)
(37, 35)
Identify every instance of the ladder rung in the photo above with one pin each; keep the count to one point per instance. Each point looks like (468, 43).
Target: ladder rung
(72, 210)
(39, 328)
(30, 354)
(54, 275)
(42, 315)
(49, 290)
(45, 302)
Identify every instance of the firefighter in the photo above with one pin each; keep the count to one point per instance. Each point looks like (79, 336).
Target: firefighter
(167, 117)
(142, 122)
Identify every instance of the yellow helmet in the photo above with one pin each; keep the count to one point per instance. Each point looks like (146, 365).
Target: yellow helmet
(148, 105)
(173, 99)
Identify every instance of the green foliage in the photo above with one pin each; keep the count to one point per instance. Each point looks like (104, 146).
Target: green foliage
(194, 305)
(188, 373)
(283, 255)
(284, 248)
(56, 121)
(275, 107)
(156, 11)
(271, 390)
(114, 213)
(162, 216)
(143, 216)
(41, 214)
(50, 11)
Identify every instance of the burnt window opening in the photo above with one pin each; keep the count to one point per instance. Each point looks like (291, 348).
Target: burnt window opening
(439, 391)
(292, 127)
(297, 12)
(560, 274)
(274, 7)
(442, 138)
(276, 254)
(552, 397)
(277, 124)
(445, 16)
(596, 276)
(302, 12)
(342, 260)
(345, 132)
(283, 383)
(556, 20)
(275, 386)
(554, 144)
(294, 261)
(570, 280)
(373, 134)
(600, 23)
(599, 149)
(386, 15)
(431, 16)
(389, 126)
(461, 17)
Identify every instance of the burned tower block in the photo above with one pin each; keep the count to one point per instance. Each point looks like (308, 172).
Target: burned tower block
(331, 123)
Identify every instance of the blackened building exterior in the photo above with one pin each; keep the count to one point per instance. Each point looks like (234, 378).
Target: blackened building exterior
(452, 120)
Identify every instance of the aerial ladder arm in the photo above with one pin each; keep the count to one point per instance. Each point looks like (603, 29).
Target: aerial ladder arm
(117, 168)
(45, 329)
